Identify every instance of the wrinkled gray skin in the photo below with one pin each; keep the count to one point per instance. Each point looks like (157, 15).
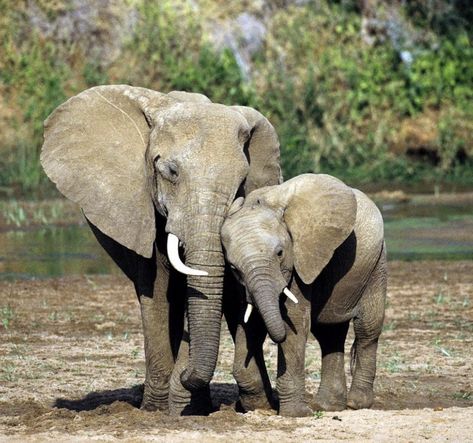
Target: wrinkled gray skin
(325, 242)
(142, 164)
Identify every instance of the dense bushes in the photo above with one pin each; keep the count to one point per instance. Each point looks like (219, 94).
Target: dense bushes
(367, 113)
(355, 110)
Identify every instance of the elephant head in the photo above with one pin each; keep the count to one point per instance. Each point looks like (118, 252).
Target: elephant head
(278, 229)
(122, 152)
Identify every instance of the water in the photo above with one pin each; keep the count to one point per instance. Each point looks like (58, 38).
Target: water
(412, 232)
(51, 252)
(428, 232)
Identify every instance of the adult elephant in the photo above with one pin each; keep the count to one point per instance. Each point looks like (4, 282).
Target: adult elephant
(144, 166)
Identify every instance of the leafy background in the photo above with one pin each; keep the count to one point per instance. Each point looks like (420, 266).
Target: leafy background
(373, 91)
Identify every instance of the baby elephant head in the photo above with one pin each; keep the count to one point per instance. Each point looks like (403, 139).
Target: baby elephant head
(282, 229)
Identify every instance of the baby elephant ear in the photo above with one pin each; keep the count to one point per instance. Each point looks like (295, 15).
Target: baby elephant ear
(94, 151)
(320, 214)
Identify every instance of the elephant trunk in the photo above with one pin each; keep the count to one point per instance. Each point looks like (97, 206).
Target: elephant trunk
(265, 292)
(204, 309)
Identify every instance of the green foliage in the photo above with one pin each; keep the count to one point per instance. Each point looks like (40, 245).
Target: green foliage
(344, 111)
(444, 17)
(339, 106)
(33, 79)
(7, 315)
(170, 38)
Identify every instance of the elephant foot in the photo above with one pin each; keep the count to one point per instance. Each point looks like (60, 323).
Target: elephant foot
(153, 407)
(155, 399)
(360, 399)
(251, 402)
(298, 408)
(330, 401)
(190, 403)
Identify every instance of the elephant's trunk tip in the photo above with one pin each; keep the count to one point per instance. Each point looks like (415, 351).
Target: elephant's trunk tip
(278, 337)
(192, 381)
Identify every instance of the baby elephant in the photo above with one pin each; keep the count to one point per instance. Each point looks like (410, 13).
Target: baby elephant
(321, 243)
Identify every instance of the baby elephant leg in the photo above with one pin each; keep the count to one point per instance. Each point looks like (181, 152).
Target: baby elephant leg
(291, 359)
(249, 368)
(332, 392)
(368, 324)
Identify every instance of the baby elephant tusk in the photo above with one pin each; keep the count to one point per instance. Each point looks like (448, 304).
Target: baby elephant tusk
(175, 260)
(290, 295)
(249, 310)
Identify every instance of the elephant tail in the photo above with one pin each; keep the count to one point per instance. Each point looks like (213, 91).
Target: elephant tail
(353, 357)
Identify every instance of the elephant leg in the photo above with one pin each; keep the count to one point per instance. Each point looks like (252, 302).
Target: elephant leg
(291, 357)
(332, 392)
(181, 400)
(368, 324)
(249, 368)
(153, 287)
(161, 314)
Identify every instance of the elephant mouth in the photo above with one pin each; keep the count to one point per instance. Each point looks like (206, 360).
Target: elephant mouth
(175, 260)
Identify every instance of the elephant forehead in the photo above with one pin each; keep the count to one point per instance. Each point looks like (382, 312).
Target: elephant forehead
(200, 116)
(252, 224)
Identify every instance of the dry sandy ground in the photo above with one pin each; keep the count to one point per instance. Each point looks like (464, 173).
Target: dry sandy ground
(72, 366)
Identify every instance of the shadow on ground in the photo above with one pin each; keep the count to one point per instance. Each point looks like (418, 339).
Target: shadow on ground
(221, 394)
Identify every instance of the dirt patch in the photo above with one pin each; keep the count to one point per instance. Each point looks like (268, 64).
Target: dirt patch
(72, 366)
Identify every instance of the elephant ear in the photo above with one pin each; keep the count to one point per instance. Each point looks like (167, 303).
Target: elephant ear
(94, 151)
(320, 214)
(183, 96)
(262, 151)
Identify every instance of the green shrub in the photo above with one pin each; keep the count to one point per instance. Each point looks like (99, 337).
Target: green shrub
(339, 105)
(170, 52)
(33, 79)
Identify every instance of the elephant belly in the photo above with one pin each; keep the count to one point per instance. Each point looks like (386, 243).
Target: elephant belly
(338, 289)
(338, 308)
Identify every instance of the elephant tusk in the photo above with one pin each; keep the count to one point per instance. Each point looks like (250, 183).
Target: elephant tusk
(249, 310)
(290, 295)
(175, 260)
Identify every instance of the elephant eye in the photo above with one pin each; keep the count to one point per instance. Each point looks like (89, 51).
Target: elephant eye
(280, 252)
(172, 168)
(168, 169)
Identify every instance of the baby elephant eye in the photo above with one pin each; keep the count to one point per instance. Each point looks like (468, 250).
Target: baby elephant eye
(280, 252)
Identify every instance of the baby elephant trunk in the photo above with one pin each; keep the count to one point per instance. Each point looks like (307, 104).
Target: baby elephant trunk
(265, 294)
